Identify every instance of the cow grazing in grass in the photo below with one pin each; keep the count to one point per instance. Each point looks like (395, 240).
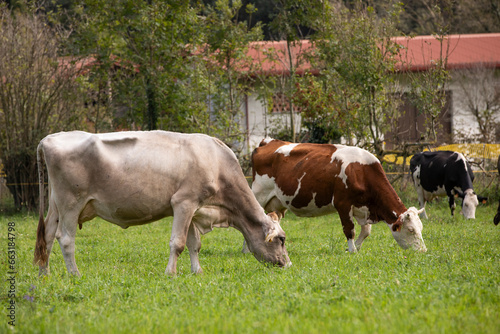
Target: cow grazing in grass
(496, 220)
(134, 178)
(444, 173)
(317, 179)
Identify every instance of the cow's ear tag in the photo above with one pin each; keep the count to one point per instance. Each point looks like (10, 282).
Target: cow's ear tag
(456, 195)
(396, 227)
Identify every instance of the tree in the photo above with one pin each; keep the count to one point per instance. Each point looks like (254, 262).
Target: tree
(290, 18)
(38, 95)
(228, 69)
(422, 17)
(180, 65)
(152, 41)
(319, 110)
(428, 90)
(357, 59)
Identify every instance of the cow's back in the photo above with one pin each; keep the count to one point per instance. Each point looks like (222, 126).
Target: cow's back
(132, 176)
(431, 168)
(294, 171)
(309, 178)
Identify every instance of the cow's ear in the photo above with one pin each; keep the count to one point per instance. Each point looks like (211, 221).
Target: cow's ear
(274, 217)
(396, 227)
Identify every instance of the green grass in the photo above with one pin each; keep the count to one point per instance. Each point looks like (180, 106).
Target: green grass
(453, 288)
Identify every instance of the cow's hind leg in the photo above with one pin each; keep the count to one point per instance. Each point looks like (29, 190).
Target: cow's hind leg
(66, 232)
(51, 222)
(183, 215)
(194, 246)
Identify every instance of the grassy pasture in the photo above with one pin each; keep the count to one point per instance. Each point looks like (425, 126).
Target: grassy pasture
(453, 288)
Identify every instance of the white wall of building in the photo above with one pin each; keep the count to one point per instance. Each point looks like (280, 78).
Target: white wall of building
(260, 121)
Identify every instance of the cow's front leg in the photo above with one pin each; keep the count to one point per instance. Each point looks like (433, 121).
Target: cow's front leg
(421, 201)
(194, 246)
(183, 214)
(349, 231)
(365, 232)
(451, 201)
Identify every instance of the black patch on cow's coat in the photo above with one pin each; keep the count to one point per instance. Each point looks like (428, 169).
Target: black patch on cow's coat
(442, 168)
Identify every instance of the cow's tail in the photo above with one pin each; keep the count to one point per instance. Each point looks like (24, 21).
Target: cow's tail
(41, 246)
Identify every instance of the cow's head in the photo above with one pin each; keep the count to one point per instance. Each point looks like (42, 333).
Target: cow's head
(469, 204)
(268, 245)
(407, 230)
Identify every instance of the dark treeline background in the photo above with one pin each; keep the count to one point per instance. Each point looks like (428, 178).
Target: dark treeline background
(465, 16)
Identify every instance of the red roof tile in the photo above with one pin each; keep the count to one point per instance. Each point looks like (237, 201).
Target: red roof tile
(463, 51)
(273, 56)
(417, 54)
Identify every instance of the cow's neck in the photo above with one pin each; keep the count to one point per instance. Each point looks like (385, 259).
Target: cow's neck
(463, 179)
(465, 182)
(388, 206)
(242, 209)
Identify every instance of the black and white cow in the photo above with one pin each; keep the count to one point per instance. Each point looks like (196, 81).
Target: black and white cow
(496, 220)
(444, 173)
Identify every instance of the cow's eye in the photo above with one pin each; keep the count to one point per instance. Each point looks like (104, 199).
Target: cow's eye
(411, 229)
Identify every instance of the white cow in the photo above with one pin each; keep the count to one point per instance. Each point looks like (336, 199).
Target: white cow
(134, 178)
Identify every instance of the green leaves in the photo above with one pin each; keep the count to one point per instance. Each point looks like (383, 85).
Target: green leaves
(356, 58)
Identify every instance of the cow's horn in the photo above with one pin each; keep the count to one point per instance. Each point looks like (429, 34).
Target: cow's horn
(271, 235)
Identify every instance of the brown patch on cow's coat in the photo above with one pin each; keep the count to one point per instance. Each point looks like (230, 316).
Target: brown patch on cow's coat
(301, 166)
(311, 167)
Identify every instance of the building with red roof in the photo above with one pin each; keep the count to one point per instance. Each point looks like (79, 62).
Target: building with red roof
(465, 55)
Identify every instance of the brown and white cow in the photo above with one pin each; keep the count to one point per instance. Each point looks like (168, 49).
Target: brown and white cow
(318, 179)
(134, 178)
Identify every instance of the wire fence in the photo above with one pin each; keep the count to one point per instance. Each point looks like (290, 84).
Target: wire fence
(473, 152)
(478, 154)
